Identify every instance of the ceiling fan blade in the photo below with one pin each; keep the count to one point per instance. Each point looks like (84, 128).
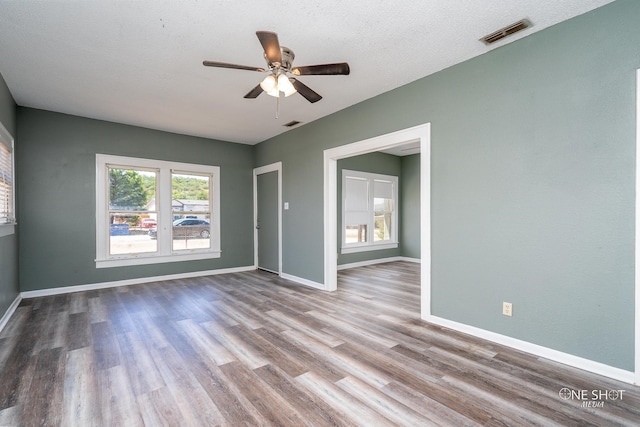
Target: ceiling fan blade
(271, 46)
(304, 90)
(253, 93)
(233, 66)
(341, 68)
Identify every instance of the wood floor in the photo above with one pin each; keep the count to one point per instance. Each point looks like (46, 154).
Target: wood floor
(253, 349)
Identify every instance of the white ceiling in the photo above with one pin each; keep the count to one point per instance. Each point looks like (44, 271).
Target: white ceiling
(140, 62)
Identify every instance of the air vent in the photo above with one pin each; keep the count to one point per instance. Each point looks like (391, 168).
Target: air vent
(506, 31)
(292, 123)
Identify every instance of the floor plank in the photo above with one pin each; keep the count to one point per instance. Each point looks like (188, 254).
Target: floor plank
(254, 349)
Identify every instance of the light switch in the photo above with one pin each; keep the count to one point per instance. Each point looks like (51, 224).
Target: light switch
(286, 206)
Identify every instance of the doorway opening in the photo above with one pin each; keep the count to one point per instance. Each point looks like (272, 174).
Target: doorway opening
(420, 134)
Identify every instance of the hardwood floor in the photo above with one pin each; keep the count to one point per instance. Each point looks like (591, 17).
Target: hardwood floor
(253, 349)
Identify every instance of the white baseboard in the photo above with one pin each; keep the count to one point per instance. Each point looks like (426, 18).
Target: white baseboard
(377, 261)
(104, 285)
(7, 315)
(537, 350)
(302, 281)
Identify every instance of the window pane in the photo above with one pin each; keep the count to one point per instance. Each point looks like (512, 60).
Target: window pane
(355, 233)
(382, 226)
(383, 209)
(382, 205)
(132, 214)
(131, 190)
(192, 232)
(191, 209)
(128, 235)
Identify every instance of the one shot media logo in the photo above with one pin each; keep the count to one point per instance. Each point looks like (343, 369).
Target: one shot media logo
(590, 398)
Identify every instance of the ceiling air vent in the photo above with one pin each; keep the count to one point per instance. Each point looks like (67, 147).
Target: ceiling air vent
(291, 124)
(506, 31)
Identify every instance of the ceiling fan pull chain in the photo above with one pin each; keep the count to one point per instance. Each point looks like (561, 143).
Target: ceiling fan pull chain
(278, 106)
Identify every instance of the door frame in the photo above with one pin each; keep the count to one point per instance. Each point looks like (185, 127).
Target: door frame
(637, 238)
(421, 133)
(273, 167)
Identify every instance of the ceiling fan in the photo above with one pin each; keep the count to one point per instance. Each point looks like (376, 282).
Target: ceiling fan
(279, 68)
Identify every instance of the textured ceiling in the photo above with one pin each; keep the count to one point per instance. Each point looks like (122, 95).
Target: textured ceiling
(140, 62)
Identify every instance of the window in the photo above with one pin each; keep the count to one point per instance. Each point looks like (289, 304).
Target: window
(369, 211)
(152, 211)
(7, 187)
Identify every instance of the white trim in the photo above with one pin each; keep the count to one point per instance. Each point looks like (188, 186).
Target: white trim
(12, 309)
(368, 247)
(274, 167)
(537, 350)
(144, 260)
(425, 224)
(420, 133)
(376, 261)
(637, 236)
(128, 282)
(302, 281)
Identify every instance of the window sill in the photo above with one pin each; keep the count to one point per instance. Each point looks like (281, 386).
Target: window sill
(7, 229)
(142, 260)
(365, 248)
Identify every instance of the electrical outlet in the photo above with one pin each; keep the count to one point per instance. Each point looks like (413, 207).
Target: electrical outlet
(507, 309)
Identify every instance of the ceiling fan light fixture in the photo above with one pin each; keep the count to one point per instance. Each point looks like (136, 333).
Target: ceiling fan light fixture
(279, 69)
(285, 86)
(269, 85)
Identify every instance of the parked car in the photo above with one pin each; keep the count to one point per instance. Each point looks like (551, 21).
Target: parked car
(187, 227)
(148, 223)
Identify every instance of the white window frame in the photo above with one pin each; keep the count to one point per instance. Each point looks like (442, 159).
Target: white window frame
(165, 253)
(370, 244)
(6, 139)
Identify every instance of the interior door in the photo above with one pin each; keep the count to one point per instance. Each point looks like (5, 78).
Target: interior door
(267, 222)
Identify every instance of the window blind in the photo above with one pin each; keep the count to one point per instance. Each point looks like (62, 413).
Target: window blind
(6, 185)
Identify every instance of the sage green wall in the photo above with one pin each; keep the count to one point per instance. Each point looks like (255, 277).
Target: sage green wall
(56, 183)
(532, 183)
(382, 163)
(9, 287)
(410, 206)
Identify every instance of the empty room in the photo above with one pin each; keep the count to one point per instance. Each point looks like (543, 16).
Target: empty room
(319, 213)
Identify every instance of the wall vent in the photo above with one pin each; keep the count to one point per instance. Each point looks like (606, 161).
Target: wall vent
(506, 31)
(292, 123)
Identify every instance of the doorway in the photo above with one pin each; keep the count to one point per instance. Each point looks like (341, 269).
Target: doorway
(421, 134)
(267, 209)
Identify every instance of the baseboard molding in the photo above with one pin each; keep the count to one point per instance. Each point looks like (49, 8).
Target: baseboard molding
(537, 350)
(377, 261)
(7, 315)
(302, 281)
(128, 282)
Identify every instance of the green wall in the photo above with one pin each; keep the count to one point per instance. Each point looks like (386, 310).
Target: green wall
(410, 206)
(56, 184)
(532, 183)
(9, 286)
